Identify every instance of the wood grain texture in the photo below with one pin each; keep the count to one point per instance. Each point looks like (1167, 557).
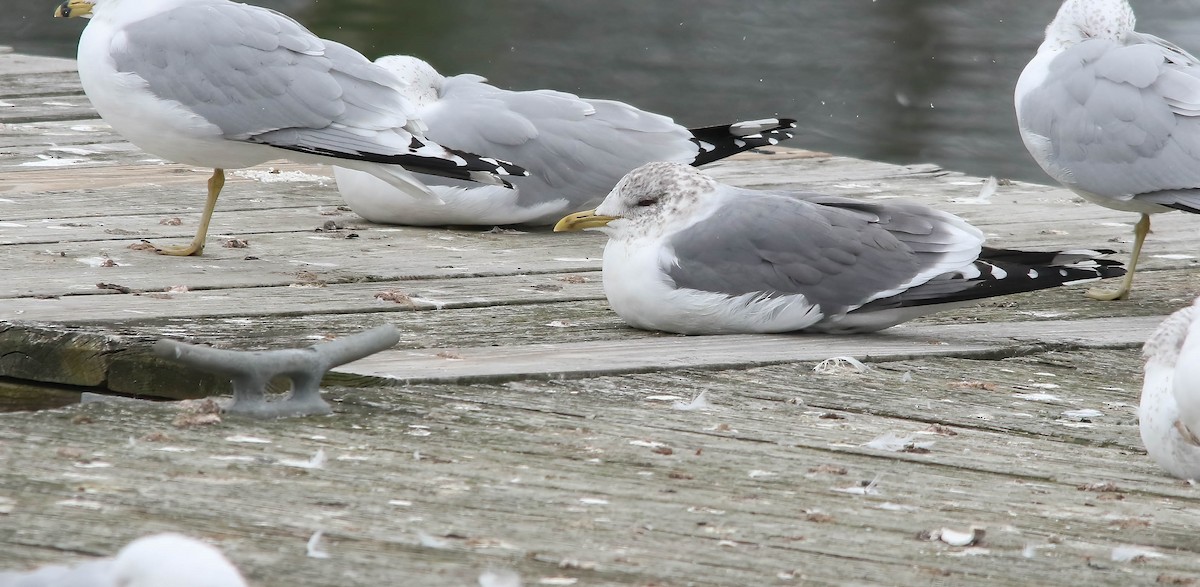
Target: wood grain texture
(519, 424)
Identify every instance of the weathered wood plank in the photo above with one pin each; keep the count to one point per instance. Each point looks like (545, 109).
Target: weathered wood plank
(43, 83)
(739, 508)
(19, 139)
(302, 299)
(72, 268)
(46, 108)
(554, 361)
(18, 64)
(552, 469)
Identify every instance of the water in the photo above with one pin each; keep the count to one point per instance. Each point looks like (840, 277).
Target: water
(893, 80)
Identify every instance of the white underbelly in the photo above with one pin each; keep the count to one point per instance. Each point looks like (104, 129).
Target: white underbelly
(379, 201)
(641, 293)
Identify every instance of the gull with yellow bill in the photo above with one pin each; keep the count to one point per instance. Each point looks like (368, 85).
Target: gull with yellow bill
(688, 254)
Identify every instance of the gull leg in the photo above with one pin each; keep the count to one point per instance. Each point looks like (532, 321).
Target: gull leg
(215, 183)
(1140, 230)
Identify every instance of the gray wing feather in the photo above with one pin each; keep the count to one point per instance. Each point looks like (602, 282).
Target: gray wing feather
(920, 228)
(836, 252)
(251, 71)
(1121, 120)
(574, 148)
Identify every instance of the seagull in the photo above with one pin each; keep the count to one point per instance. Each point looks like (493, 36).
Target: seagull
(1112, 114)
(224, 85)
(576, 149)
(689, 255)
(151, 561)
(1169, 413)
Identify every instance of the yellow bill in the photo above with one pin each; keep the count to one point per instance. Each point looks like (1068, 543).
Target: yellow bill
(582, 220)
(73, 9)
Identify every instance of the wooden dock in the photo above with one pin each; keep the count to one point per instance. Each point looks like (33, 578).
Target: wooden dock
(519, 425)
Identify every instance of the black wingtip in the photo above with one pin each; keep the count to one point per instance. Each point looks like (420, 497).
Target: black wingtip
(723, 140)
(1002, 277)
(473, 167)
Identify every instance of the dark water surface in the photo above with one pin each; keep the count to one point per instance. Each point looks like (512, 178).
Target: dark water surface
(894, 80)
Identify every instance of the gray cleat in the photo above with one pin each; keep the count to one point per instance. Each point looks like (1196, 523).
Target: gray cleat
(251, 371)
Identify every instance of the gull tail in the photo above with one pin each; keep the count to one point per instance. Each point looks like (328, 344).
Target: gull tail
(723, 140)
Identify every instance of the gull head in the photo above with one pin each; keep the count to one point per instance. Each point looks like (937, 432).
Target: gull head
(1080, 20)
(647, 201)
(173, 559)
(75, 9)
(422, 83)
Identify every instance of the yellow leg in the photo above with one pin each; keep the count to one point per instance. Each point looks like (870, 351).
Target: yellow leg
(1140, 230)
(215, 183)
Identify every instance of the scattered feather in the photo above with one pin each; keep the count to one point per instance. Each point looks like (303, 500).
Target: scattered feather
(869, 488)
(987, 190)
(429, 541)
(647, 443)
(1100, 487)
(662, 398)
(51, 161)
(895, 507)
(247, 439)
(499, 578)
(1037, 397)
(1082, 415)
(313, 548)
(891, 442)
(953, 537)
(316, 462)
(276, 176)
(1134, 554)
(80, 503)
(700, 402)
(839, 365)
(74, 151)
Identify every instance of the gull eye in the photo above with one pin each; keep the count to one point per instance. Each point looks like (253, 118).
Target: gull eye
(646, 202)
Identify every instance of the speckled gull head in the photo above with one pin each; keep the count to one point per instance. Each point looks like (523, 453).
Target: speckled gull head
(653, 199)
(1169, 413)
(1080, 20)
(159, 560)
(175, 560)
(422, 83)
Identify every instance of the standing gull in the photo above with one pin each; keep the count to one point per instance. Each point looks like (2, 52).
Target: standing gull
(1169, 412)
(690, 255)
(1112, 114)
(574, 148)
(224, 85)
(160, 560)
